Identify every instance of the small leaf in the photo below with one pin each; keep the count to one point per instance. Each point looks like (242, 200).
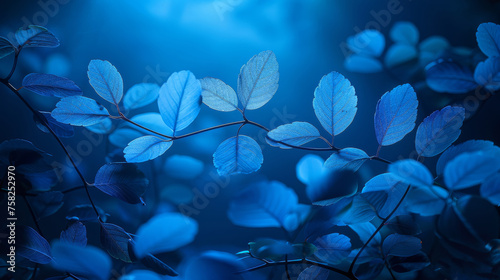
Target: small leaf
(403, 224)
(122, 136)
(450, 77)
(404, 32)
(362, 64)
(79, 111)
(333, 248)
(47, 203)
(270, 249)
(432, 48)
(115, 240)
(218, 96)
(183, 167)
(36, 36)
(426, 201)
(146, 148)
(258, 80)
(122, 180)
(106, 80)
(6, 47)
(238, 155)
(488, 39)
(470, 169)
(469, 146)
(32, 246)
(348, 158)
(314, 272)
(335, 103)
(152, 121)
(365, 231)
(490, 189)
(50, 85)
(399, 54)
(103, 127)
(368, 42)
(141, 95)
(401, 245)
(487, 73)
(295, 134)
(395, 114)
(411, 172)
(75, 233)
(60, 129)
(439, 130)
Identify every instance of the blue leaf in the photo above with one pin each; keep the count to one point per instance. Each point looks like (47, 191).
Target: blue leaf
(47, 203)
(122, 136)
(309, 168)
(487, 73)
(488, 39)
(152, 121)
(238, 155)
(348, 158)
(333, 248)
(439, 130)
(431, 49)
(183, 167)
(426, 201)
(218, 96)
(264, 204)
(362, 64)
(36, 36)
(32, 246)
(401, 245)
(349, 210)
(106, 80)
(85, 212)
(367, 42)
(270, 249)
(141, 274)
(75, 233)
(450, 77)
(214, 265)
(403, 224)
(407, 264)
(399, 54)
(180, 99)
(469, 146)
(470, 169)
(296, 134)
(103, 127)
(388, 184)
(490, 189)
(335, 103)
(6, 47)
(60, 129)
(50, 85)
(89, 262)
(395, 114)
(146, 148)
(411, 172)
(365, 231)
(115, 241)
(404, 32)
(258, 80)
(141, 95)
(157, 266)
(79, 111)
(314, 272)
(122, 180)
(331, 186)
(164, 233)
(370, 269)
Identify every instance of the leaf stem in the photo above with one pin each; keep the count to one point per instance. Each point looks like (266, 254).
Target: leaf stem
(14, 65)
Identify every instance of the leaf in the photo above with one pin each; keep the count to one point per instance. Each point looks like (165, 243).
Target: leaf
(490, 189)
(79, 111)
(411, 172)
(348, 158)
(365, 231)
(60, 129)
(85, 212)
(218, 96)
(439, 130)
(75, 233)
(50, 85)
(270, 249)
(146, 148)
(122, 180)
(314, 272)
(362, 64)
(122, 136)
(103, 127)
(140, 95)
(370, 270)
(309, 168)
(106, 80)
(401, 245)
(141, 274)
(426, 201)
(295, 134)
(152, 121)
(395, 114)
(469, 146)
(36, 36)
(407, 264)
(470, 169)
(183, 167)
(6, 47)
(333, 248)
(399, 54)
(238, 155)
(31, 245)
(180, 99)
(47, 203)
(335, 103)
(89, 262)
(488, 39)
(164, 233)
(431, 49)
(115, 240)
(388, 184)
(258, 80)
(404, 32)
(214, 265)
(403, 224)
(368, 42)
(331, 186)
(158, 266)
(450, 77)
(487, 74)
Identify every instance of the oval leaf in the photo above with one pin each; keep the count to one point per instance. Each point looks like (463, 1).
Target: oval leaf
(362, 64)
(146, 148)
(470, 169)
(488, 39)
(238, 155)
(36, 36)
(401, 245)
(115, 240)
(50, 85)
(32, 245)
(487, 73)
(333, 248)
(75, 233)
(411, 172)
(141, 95)
(399, 54)
(450, 77)
(106, 80)
(122, 180)
(490, 189)
(218, 96)
(404, 32)
(295, 134)
(79, 111)
(348, 158)
(368, 42)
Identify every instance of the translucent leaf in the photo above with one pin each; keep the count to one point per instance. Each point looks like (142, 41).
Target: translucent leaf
(439, 130)
(75, 233)
(296, 134)
(395, 114)
(47, 203)
(362, 64)
(365, 231)
(469, 169)
(450, 77)
(6, 47)
(309, 168)
(238, 155)
(183, 167)
(335, 103)
(141, 274)
(367, 42)
(218, 96)
(106, 80)
(115, 240)
(122, 136)
(164, 233)
(50, 85)
(314, 272)
(404, 32)
(122, 180)
(348, 158)
(388, 184)
(79, 111)
(426, 201)
(141, 95)
(490, 189)
(103, 127)
(36, 36)
(399, 54)
(31, 245)
(333, 248)
(180, 99)
(146, 148)
(411, 172)
(468, 146)
(152, 121)
(214, 265)
(487, 73)
(401, 245)
(258, 80)
(488, 39)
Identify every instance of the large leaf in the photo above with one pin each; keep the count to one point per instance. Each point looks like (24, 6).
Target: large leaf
(6, 47)
(487, 73)
(439, 130)
(31, 245)
(180, 99)
(368, 42)
(388, 184)
(348, 158)
(490, 189)
(258, 80)
(450, 77)
(36, 36)
(50, 85)
(333, 248)
(469, 169)
(80, 111)
(426, 201)
(469, 146)
(115, 240)
(164, 233)
(106, 80)
(146, 148)
(238, 155)
(75, 233)
(488, 39)
(411, 172)
(141, 95)
(295, 134)
(335, 103)
(395, 114)
(401, 245)
(218, 96)
(122, 180)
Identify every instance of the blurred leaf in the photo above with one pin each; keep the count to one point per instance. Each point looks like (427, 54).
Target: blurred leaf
(450, 77)
(140, 95)
(348, 158)
(488, 39)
